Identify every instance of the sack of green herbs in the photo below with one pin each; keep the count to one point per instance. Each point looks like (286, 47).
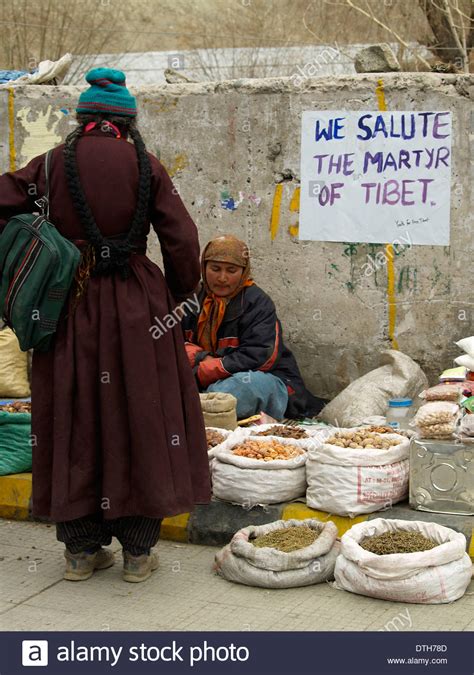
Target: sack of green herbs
(404, 561)
(283, 554)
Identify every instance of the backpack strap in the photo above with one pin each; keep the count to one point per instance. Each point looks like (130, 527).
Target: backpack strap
(43, 202)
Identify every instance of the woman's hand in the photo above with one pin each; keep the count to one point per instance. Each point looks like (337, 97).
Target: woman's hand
(192, 350)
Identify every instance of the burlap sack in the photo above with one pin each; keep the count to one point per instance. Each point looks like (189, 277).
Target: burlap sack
(219, 410)
(13, 367)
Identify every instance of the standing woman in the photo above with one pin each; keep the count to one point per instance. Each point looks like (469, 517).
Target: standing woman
(118, 436)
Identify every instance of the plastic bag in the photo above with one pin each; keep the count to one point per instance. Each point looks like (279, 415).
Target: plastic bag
(439, 575)
(242, 562)
(466, 361)
(468, 404)
(13, 367)
(467, 345)
(442, 392)
(467, 425)
(442, 430)
(468, 388)
(436, 412)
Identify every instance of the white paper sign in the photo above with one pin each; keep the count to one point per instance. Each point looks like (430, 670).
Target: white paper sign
(377, 177)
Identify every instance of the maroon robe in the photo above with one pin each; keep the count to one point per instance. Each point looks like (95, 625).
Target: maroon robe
(116, 416)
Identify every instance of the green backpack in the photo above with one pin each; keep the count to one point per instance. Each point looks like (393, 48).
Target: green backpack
(37, 266)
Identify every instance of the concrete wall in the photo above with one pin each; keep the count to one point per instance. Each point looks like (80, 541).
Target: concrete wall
(240, 140)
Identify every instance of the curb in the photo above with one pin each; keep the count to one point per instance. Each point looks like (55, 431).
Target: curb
(215, 524)
(15, 495)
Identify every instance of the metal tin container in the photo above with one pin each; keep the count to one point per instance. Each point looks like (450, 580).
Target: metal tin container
(442, 476)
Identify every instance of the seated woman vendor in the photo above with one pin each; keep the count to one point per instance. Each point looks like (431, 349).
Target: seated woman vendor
(234, 340)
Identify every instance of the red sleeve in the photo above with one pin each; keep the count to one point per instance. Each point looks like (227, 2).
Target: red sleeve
(176, 232)
(211, 370)
(19, 190)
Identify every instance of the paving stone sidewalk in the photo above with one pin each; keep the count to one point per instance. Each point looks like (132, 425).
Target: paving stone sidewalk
(184, 594)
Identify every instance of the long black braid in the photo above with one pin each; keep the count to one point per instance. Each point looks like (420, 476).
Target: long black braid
(111, 255)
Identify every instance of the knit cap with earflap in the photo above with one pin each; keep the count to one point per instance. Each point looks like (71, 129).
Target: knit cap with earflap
(107, 94)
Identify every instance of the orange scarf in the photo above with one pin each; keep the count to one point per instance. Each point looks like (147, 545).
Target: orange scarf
(231, 250)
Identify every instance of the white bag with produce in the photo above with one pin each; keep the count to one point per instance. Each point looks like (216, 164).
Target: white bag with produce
(251, 470)
(215, 437)
(282, 554)
(433, 569)
(297, 433)
(279, 431)
(358, 471)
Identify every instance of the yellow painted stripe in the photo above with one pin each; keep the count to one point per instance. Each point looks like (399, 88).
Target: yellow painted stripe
(11, 129)
(380, 93)
(294, 229)
(301, 511)
(295, 200)
(389, 252)
(471, 546)
(175, 528)
(15, 493)
(275, 218)
(391, 298)
(295, 206)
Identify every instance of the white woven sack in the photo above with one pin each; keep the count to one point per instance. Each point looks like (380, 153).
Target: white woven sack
(243, 563)
(272, 558)
(437, 576)
(247, 481)
(399, 376)
(348, 481)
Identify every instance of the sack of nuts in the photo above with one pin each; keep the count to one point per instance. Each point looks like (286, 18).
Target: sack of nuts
(268, 566)
(357, 471)
(215, 437)
(436, 419)
(251, 470)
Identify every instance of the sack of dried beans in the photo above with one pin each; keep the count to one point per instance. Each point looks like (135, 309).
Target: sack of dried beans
(251, 470)
(283, 554)
(404, 561)
(357, 471)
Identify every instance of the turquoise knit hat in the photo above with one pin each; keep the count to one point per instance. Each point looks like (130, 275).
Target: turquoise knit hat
(107, 94)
